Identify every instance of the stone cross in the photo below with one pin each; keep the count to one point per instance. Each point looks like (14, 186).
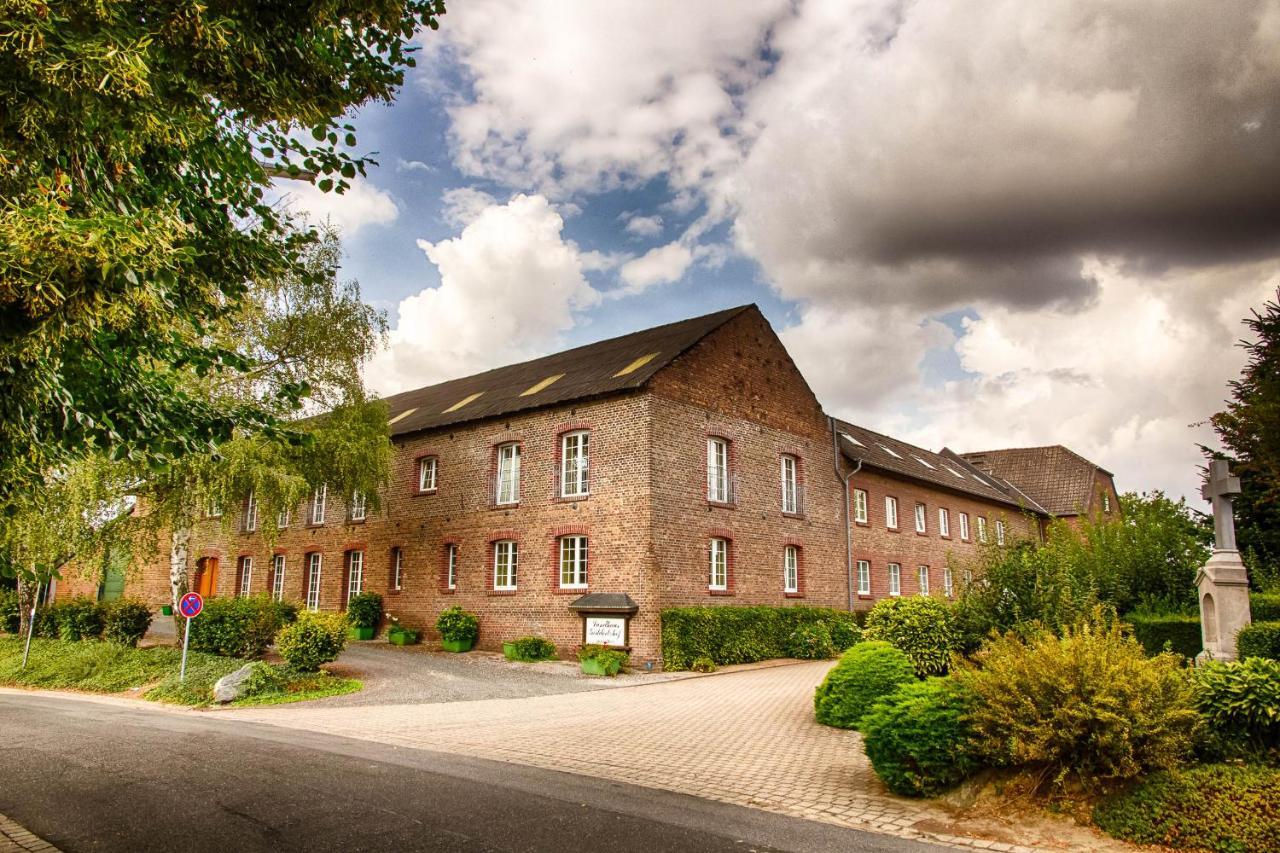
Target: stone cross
(1221, 490)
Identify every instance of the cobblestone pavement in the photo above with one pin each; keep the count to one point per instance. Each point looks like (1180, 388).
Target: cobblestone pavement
(14, 838)
(745, 737)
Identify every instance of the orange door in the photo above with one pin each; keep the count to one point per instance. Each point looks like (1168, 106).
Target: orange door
(207, 576)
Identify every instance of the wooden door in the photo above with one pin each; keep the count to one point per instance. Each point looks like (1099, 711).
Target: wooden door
(207, 576)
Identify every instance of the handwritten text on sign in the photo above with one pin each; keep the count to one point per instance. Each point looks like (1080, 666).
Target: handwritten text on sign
(607, 630)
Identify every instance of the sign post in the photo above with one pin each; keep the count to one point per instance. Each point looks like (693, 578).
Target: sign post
(189, 606)
(31, 626)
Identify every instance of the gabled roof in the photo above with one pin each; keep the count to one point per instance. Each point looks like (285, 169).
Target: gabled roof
(1058, 479)
(939, 469)
(605, 367)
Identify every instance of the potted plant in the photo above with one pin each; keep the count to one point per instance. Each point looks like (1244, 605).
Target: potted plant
(599, 660)
(364, 612)
(400, 635)
(529, 649)
(458, 629)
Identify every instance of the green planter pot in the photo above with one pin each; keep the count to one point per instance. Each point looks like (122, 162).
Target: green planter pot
(457, 645)
(166, 610)
(509, 651)
(592, 666)
(402, 638)
(357, 633)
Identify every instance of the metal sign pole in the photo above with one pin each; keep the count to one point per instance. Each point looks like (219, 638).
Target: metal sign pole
(31, 625)
(186, 638)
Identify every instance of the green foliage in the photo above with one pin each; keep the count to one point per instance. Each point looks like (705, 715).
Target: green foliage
(920, 626)
(236, 627)
(314, 639)
(1259, 640)
(731, 635)
(867, 672)
(1158, 632)
(287, 611)
(811, 641)
(1240, 702)
(10, 610)
(845, 633)
(264, 678)
(457, 625)
(703, 664)
(531, 649)
(125, 621)
(1089, 705)
(1216, 807)
(79, 619)
(365, 610)
(919, 739)
(610, 660)
(1265, 606)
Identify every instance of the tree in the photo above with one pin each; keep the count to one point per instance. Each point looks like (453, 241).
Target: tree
(1250, 431)
(137, 141)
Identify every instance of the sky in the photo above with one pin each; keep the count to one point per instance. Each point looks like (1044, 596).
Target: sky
(987, 226)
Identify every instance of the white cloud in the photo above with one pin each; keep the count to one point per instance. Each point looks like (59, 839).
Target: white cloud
(462, 205)
(661, 265)
(510, 286)
(642, 226)
(361, 206)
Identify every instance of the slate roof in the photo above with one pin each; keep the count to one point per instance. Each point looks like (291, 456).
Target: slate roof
(944, 469)
(1058, 479)
(604, 367)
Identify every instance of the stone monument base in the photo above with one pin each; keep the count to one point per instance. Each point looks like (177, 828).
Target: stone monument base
(1223, 585)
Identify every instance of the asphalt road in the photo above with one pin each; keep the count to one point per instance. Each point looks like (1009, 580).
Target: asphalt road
(89, 776)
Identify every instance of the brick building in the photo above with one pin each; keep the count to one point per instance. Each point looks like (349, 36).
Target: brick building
(686, 464)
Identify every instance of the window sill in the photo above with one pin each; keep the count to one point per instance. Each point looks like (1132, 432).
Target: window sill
(312, 525)
(893, 530)
(944, 536)
(446, 591)
(503, 591)
(422, 492)
(862, 523)
(570, 590)
(570, 499)
(799, 515)
(351, 521)
(922, 533)
(793, 595)
(720, 592)
(515, 505)
(721, 504)
(866, 596)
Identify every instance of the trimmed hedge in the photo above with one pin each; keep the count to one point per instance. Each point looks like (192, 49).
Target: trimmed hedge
(78, 619)
(312, 640)
(865, 673)
(811, 642)
(125, 621)
(730, 635)
(920, 626)
(1239, 701)
(1259, 640)
(1179, 631)
(531, 649)
(236, 627)
(1265, 606)
(919, 739)
(1208, 807)
(10, 611)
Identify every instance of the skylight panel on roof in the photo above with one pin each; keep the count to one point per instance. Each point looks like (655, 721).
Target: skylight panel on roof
(954, 471)
(541, 386)
(462, 402)
(851, 439)
(636, 365)
(890, 451)
(402, 416)
(924, 463)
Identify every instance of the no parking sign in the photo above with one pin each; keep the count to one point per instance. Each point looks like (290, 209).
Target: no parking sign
(189, 606)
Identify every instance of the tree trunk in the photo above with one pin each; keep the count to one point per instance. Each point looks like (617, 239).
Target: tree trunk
(178, 582)
(27, 592)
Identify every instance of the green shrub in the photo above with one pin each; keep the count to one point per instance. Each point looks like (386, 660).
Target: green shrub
(125, 621)
(920, 626)
(611, 660)
(235, 627)
(1089, 705)
(79, 619)
(703, 664)
(1158, 632)
(845, 633)
(865, 673)
(264, 678)
(1240, 702)
(1265, 606)
(314, 639)
(1208, 807)
(811, 642)
(919, 739)
(287, 611)
(1259, 640)
(533, 649)
(731, 635)
(457, 625)
(365, 610)
(10, 610)
(46, 622)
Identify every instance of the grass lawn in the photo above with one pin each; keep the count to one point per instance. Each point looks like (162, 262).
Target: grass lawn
(100, 667)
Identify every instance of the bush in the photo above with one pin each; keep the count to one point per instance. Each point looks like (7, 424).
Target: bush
(611, 660)
(1209, 807)
(79, 619)
(1089, 705)
(533, 649)
(314, 639)
(235, 627)
(1259, 640)
(703, 664)
(365, 610)
(1265, 606)
(1159, 632)
(811, 642)
(845, 633)
(919, 739)
(125, 621)
(919, 626)
(457, 625)
(1240, 702)
(264, 678)
(46, 621)
(10, 611)
(287, 611)
(865, 673)
(730, 635)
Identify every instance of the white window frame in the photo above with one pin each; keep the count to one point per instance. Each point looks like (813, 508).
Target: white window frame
(860, 505)
(922, 579)
(507, 487)
(250, 513)
(451, 565)
(791, 569)
(890, 512)
(944, 522)
(355, 574)
(246, 576)
(999, 531)
(575, 462)
(718, 564)
(948, 582)
(283, 518)
(790, 473)
(573, 562)
(982, 529)
(964, 527)
(428, 473)
(397, 569)
(319, 498)
(718, 470)
(506, 562)
(277, 576)
(864, 577)
(315, 562)
(895, 579)
(359, 508)
(213, 509)
(922, 518)
(1106, 502)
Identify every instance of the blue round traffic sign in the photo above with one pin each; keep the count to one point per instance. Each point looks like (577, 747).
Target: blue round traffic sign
(190, 605)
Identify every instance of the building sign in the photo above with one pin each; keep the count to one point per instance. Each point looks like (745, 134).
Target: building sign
(606, 630)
